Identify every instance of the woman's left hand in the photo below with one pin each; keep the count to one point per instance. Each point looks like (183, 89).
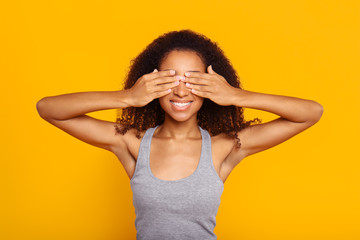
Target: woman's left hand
(211, 85)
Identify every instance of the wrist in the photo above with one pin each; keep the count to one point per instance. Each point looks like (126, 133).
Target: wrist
(123, 98)
(239, 97)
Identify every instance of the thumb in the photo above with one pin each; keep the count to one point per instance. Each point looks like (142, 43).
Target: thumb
(210, 70)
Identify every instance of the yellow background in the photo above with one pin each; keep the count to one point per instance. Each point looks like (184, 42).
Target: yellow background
(54, 186)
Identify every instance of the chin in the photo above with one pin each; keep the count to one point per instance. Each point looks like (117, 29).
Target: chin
(180, 118)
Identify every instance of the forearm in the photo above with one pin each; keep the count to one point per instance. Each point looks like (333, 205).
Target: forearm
(70, 105)
(290, 108)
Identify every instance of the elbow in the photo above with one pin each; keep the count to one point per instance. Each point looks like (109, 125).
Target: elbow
(41, 107)
(317, 112)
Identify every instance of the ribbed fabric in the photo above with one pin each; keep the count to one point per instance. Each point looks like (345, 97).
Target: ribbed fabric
(180, 209)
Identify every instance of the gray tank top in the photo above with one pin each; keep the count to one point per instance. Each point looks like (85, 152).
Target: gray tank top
(179, 209)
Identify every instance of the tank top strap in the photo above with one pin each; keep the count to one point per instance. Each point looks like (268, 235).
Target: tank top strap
(144, 148)
(182, 209)
(206, 156)
(205, 161)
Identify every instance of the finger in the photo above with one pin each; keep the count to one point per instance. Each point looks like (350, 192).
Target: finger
(197, 80)
(164, 80)
(201, 88)
(200, 93)
(165, 86)
(161, 84)
(198, 74)
(162, 93)
(211, 70)
(157, 74)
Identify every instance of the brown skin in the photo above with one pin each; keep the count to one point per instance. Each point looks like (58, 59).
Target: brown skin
(180, 133)
(176, 144)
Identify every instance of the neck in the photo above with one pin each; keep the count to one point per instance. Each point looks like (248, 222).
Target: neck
(179, 130)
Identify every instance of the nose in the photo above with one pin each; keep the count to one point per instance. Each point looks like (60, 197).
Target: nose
(181, 90)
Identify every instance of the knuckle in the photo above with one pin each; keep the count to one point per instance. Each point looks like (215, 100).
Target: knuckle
(164, 73)
(147, 86)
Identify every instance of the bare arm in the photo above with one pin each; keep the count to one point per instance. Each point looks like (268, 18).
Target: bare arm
(68, 111)
(295, 116)
(66, 106)
(291, 108)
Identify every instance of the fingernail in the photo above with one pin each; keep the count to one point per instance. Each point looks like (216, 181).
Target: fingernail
(182, 78)
(187, 84)
(172, 72)
(176, 83)
(187, 74)
(177, 77)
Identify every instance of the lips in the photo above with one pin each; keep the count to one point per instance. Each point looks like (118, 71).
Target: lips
(180, 105)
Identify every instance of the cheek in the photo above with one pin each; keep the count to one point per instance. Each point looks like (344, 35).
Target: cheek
(162, 102)
(200, 100)
(200, 103)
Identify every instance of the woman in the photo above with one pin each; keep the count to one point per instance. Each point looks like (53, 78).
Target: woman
(181, 131)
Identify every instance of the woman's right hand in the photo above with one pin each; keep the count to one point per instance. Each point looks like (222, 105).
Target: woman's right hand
(152, 85)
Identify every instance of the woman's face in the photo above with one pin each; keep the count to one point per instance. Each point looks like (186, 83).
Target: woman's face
(181, 104)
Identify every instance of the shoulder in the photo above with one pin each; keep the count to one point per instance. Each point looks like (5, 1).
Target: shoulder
(224, 139)
(133, 135)
(222, 145)
(127, 149)
(224, 148)
(128, 141)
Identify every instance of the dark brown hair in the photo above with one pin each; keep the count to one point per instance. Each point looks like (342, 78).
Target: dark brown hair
(214, 118)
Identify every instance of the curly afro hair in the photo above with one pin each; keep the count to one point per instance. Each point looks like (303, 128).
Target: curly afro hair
(214, 118)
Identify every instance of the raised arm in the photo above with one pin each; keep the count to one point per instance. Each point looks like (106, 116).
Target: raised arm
(295, 114)
(68, 111)
(66, 106)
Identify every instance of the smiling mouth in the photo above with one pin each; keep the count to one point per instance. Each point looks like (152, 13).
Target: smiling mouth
(178, 104)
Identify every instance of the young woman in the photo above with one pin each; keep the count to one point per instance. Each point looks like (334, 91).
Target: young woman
(181, 131)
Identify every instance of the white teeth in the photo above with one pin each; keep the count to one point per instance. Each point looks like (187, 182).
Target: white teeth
(180, 104)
